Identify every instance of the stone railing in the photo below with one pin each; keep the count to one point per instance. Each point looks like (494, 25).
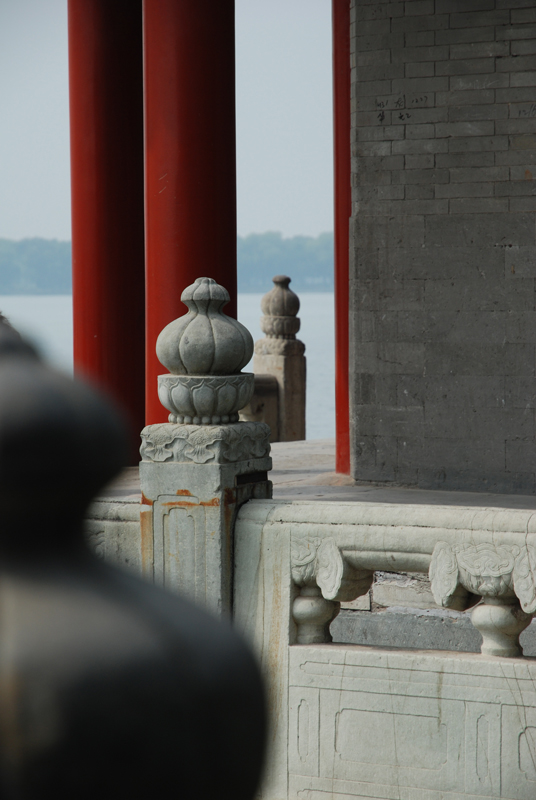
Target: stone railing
(345, 721)
(470, 555)
(280, 367)
(353, 722)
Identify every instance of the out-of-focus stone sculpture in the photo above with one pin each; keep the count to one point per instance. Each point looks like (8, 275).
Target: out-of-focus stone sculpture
(108, 685)
(280, 366)
(198, 468)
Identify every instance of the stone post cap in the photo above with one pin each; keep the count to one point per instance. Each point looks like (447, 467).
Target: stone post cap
(280, 307)
(205, 351)
(205, 341)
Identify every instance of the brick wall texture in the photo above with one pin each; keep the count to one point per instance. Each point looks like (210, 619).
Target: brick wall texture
(442, 243)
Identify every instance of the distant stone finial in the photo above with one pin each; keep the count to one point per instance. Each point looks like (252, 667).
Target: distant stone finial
(204, 351)
(280, 307)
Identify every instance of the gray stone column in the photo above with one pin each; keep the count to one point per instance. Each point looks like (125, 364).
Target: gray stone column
(201, 466)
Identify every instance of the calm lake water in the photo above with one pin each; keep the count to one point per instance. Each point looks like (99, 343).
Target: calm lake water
(47, 321)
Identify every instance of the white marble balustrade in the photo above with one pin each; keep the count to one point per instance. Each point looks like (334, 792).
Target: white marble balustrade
(351, 721)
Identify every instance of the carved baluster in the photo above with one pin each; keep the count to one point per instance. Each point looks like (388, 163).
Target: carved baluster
(326, 579)
(503, 575)
(313, 616)
(500, 624)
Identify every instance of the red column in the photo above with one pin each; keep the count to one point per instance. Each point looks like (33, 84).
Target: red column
(190, 165)
(343, 210)
(106, 108)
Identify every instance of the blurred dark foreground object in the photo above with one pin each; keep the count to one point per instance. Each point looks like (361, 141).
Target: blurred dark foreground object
(109, 687)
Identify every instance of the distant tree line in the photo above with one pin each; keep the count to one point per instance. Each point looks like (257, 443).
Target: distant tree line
(35, 266)
(43, 266)
(307, 260)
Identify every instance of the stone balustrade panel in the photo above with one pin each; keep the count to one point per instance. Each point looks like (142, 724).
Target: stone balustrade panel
(350, 721)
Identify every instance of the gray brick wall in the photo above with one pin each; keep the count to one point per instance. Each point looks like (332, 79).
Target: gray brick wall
(442, 243)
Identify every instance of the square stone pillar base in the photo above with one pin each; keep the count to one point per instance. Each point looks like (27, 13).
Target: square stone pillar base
(194, 479)
(285, 360)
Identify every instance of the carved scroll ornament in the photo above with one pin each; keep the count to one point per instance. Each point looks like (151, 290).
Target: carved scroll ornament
(318, 561)
(485, 569)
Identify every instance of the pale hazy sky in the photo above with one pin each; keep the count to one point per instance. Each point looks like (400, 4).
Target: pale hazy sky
(284, 118)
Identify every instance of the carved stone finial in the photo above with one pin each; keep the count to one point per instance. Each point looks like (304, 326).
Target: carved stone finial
(280, 307)
(205, 341)
(204, 351)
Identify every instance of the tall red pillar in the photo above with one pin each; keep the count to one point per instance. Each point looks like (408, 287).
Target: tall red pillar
(190, 163)
(343, 210)
(106, 111)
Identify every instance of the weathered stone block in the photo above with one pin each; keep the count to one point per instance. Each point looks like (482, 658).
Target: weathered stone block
(420, 86)
(476, 128)
(480, 18)
(420, 39)
(513, 126)
(478, 294)
(473, 50)
(478, 480)
(464, 190)
(447, 160)
(428, 22)
(460, 6)
(477, 145)
(491, 80)
(463, 326)
(458, 35)
(395, 295)
(522, 204)
(379, 11)
(470, 66)
(521, 393)
(415, 192)
(374, 458)
(523, 15)
(420, 131)
(525, 94)
(465, 391)
(480, 205)
(445, 358)
(399, 627)
(469, 230)
(389, 421)
(423, 176)
(416, 55)
(390, 357)
(193, 481)
(467, 113)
